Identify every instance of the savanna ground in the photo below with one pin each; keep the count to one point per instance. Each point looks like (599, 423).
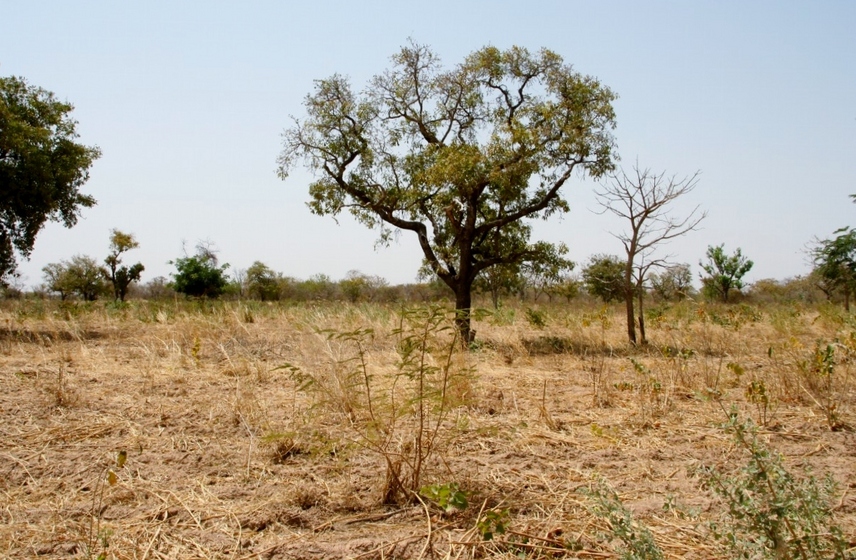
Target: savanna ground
(284, 431)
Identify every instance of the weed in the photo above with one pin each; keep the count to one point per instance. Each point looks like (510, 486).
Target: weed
(401, 415)
(448, 497)
(772, 513)
(637, 542)
(818, 373)
(108, 476)
(493, 522)
(536, 318)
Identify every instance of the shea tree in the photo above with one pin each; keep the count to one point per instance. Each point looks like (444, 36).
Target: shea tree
(462, 157)
(42, 168)
(644, 200)
(723, 272)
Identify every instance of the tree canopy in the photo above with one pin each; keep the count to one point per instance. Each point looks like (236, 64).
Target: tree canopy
(835, 262)
(724, 272)
(42, 168)
(458, 156)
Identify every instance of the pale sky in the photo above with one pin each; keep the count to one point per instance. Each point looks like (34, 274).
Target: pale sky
(187, 100)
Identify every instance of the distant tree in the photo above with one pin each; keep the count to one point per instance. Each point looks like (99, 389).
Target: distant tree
(200, 275)
(674, 282)
(835, 263)
(460, 157)
(500, 280)
(58, 280)
(81, 275)
(604, 277)
(543, 274)
(357, 286)
(643, 199)
(568, 287)
(724, 273)
(261, 282)
(121, 277)
(42, 168)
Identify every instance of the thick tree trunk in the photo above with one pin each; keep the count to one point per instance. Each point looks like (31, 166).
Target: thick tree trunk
(642, 339)
(463, 306)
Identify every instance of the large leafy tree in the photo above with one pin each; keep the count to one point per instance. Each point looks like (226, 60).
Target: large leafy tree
(41, 168)
(461, 157)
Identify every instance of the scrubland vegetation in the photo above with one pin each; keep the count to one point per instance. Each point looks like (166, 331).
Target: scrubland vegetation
(247, 429)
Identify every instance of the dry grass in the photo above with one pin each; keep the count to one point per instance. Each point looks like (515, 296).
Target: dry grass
(228, 459)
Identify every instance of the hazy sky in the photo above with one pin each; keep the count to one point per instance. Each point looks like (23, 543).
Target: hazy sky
(187, 100)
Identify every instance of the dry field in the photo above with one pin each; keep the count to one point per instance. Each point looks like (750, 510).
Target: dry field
(249, 433)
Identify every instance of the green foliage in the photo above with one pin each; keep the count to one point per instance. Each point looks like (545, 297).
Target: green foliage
(546, 272)
(493, 522)
(536, 318)
(818, 373)
(81, 275)
(121, 277)
(262, 283)
(448, 497)
(199, 275)
(771, 513)
(460, 156)
(724, 272)
(399, 415)
(637, 542)
(42, 168)
(604, 277)
(835, 262)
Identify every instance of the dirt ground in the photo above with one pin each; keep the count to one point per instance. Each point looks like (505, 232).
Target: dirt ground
(229, 456)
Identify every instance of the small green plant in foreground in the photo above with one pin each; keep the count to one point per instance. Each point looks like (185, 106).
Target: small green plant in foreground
(637, 542)
(400, 415)
(771, 513)
(108, 476)
(448, 497)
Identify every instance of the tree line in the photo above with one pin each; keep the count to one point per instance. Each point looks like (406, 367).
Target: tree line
(463, 157)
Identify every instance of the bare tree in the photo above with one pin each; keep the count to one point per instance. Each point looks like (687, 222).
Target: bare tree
(643, 200)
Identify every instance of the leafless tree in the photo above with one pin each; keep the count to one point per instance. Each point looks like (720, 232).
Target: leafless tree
(643, 199)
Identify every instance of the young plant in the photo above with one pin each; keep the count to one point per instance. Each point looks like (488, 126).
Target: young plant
(637, 542)
(772, 513)
(401, 415)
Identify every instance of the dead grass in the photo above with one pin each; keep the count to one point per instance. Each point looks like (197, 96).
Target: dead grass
(228, 459)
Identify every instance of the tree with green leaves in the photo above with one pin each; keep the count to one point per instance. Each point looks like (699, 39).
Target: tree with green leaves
(121, 277)
(644, 199)
(835, 263)
(462, 157)
(42, 168)
(724, 272)
(200, 275)
(81, 275)
(262, 282)
(545, 273)
(603, 277)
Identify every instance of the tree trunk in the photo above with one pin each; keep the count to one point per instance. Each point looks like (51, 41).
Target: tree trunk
(463, 305)
(628, 302)
(642, 339)
(631, 317)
